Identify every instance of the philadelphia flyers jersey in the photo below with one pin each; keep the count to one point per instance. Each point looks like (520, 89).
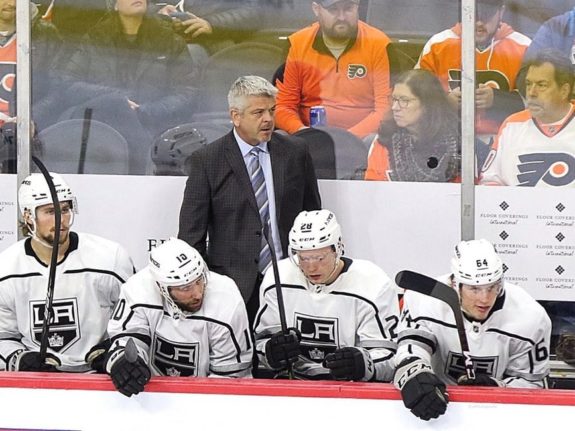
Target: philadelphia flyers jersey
(497, 65)
(212, 342)
(511, 345)
(526, 153)
(7, 75)
(86, 290)
(359, 309)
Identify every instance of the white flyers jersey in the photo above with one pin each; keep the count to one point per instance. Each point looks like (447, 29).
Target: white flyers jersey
(212, 342)
(528, 154)
(512, 345)
(86, 291)
(359, 309)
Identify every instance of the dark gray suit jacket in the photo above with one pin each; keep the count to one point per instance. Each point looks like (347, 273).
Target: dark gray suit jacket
(219, 201)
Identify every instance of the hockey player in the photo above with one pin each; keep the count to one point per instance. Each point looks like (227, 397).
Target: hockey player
(507, 330)
(89, 274)
(183, 319)
(343, 312)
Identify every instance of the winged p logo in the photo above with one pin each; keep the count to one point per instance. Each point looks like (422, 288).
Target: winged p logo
(554, 169)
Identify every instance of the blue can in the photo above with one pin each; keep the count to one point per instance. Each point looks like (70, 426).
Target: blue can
(317, 116)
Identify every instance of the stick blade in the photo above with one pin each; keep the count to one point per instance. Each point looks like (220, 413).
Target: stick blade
(421, 283)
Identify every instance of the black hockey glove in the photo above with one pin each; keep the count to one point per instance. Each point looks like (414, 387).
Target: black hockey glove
(129, 371)
(24, 360)
(480, 380)
(283, 349)
(350, 363)
(422, 392)
(96, 357)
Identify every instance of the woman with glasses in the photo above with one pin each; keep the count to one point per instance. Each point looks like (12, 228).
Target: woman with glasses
(420, 139)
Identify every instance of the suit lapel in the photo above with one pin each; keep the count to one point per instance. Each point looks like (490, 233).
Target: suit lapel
(278, 161)
(234, 157)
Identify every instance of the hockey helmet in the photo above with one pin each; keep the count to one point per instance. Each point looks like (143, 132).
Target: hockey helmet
(476, 263)
(171, 149)
(34, 192)
(313, 230)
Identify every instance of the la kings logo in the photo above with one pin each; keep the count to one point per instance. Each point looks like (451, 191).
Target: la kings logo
(176, 359)
(319, 335)
(481, 364)
(64, 329)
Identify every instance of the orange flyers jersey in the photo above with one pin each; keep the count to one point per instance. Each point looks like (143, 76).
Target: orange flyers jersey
(497, 65)
(354, 89)
(377, 162)
(7, 74)
(526, 153)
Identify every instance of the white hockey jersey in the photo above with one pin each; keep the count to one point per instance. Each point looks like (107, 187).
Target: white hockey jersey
(212, 342)
(359, 309)
(86, 290)
(528, 154)
(512, 345)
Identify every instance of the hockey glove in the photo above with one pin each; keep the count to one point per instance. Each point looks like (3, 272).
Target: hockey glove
(422, 392)
(350, 363)
(282, 349)
(24, 360)
(480, 380)
(96, 357)
(129, 374)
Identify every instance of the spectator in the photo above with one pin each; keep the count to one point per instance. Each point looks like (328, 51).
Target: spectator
(499, 50)
(220, 202)
(535, 147)
(89, 274)
(342, 312)
(340, 63)
(183, 319)
(45, 51)
(135, 74)
(557, 32)
(507, 332)
(214, 24)
(421, 140)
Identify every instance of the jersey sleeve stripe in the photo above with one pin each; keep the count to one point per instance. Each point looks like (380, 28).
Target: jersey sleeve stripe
(95, 270)
(142, 337)
(133, 308)
(30, 274)
(367, 301)
(225, 325)
(432, 320)
(509, 334)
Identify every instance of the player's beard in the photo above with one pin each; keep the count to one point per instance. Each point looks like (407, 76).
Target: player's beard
(341, 35)
(49, 239)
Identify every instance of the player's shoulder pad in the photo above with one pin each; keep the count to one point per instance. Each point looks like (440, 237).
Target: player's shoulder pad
(522, 311)
(10, 258)
(222, 295)
(142, 289)
(367, 277)
(289, 273)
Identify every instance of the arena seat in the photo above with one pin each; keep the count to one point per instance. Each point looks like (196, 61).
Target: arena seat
(226, 65)
(103, 150)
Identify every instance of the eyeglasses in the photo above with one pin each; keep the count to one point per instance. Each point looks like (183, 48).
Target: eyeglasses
(403, 102)
(313, 258)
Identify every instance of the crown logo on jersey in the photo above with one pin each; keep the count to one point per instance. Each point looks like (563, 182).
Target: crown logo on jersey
(316, 354)
(172, 372)
(56, 340)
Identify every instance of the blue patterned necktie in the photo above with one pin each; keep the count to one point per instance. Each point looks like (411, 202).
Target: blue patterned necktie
(260, 191)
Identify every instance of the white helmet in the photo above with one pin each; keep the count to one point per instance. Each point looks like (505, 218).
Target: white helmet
(176, 263)
(476, 263)
(34, 192)
(312, 230)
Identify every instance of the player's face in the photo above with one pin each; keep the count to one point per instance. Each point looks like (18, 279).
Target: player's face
(406, 108)
(546, 100)
(46, 222)
(477, 301)
(131, 7)
(339, 21)
(8, 11)
(189, 297)
(318, 265)
(255, 123)
(488, 21)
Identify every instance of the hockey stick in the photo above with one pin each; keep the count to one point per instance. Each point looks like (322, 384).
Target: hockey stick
(53, 259)
(278, 286)
(429, 286)
(84, 139)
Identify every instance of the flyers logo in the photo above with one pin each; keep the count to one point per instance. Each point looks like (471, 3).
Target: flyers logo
(356, 71)
(7, 77)
(554, 169)
(455, 365)
(493, 78)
